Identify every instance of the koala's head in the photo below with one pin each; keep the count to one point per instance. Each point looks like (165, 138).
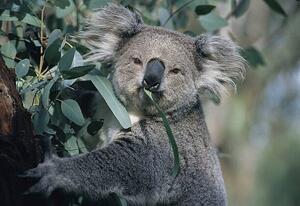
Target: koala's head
(173, 66)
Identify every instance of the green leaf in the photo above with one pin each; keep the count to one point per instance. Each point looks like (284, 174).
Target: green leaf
(56, 34)
(62, 12)
(104, 87)
(37, 43)
(204, 9)
(5, 16)
(233, 4)
(52, 52)
(81, 146)
(40, 120)
(212, 22)
(93, 4)
(78, 60)
(71, 146)
(275, 6)
(190, 33)
(32, 20)
(9, 53)
(58, 132)
(2, 33)
(241, 8)
(76, 72)
(62, 3)
(28, 19)
(72, 111)
(171, 137)
(37, 85)
(94, 127)
(253, 56)
(164, 18)
(46, 93)
(213, 97)
(66, 60)
(121, 201)
(22, 68)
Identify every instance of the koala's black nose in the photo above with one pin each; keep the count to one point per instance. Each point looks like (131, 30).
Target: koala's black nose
(153, 75)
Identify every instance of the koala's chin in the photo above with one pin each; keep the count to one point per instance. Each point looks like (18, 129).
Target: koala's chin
(138, 103)
(141, 104)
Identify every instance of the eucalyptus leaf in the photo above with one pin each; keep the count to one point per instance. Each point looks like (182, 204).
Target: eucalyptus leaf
(58, 132)
(171, 137)
(40, 120)
(212, 22)
(52, 52)
(104, 87)
(37, 85)
(5, 16)
(121, 201)
(253, 56)
(233, 4)
(78, 59)
(62, 12)
(241, 8)
(28, 19)
(77, 71)
(66, 60)
(46, 93)
(37, 43)
(61, 3)
(71, 146)
(204, 9)
(93, 4)
(22, 68)
(81, 146)
(32, 20)
(70, 108)
(9, 53)
(56, 34)
(275, 6)
(164, 18)
(94, 127)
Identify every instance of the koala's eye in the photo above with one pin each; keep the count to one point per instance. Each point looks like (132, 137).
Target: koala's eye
(175, 71)
(137, 61)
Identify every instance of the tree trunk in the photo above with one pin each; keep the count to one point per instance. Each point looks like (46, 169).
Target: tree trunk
(19, 148)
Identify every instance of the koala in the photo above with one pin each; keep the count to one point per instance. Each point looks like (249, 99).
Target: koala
(136, 164)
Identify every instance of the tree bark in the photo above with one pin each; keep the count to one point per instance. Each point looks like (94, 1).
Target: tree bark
(19, 148)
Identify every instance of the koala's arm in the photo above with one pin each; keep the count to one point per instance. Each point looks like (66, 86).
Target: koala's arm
(123, 166)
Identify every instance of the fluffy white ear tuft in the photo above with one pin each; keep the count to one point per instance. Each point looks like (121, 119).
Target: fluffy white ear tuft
(220, 64)
(106, 28)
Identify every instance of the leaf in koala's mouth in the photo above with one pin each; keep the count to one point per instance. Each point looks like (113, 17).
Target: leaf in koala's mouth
(171, 137)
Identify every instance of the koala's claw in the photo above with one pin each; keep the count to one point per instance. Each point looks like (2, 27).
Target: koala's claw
(48, 180)
(44, 186)
(32, 173)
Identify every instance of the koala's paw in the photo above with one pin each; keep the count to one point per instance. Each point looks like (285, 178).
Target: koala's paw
(49, 178)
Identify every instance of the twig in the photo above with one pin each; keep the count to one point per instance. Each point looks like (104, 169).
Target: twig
(41, 37)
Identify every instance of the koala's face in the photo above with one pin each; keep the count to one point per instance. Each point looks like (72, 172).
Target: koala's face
(175, 67)
(160, 61)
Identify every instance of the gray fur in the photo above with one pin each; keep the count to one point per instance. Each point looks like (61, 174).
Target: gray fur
(105, 30)
(137, 163)
(220, 64)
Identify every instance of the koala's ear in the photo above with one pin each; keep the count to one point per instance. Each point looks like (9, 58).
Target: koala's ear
(219, 64)
(107, 28)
